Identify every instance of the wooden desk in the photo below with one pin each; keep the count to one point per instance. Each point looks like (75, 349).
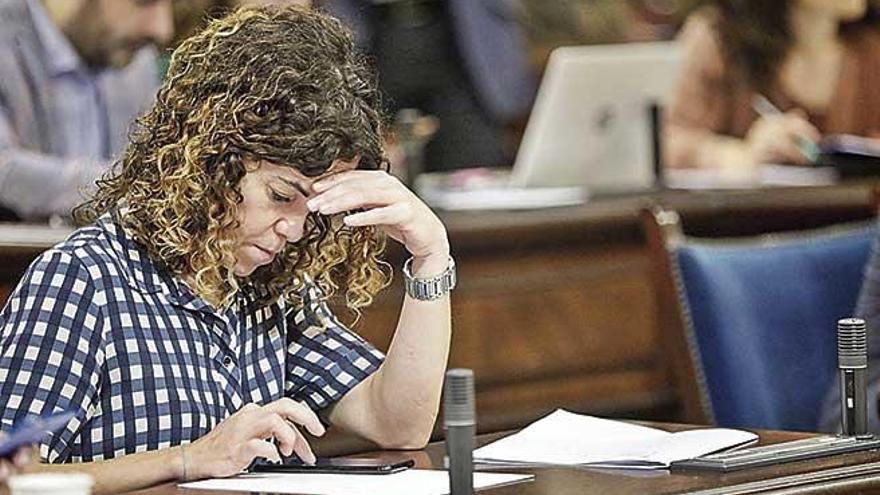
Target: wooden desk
(555, 308)
(604, 482)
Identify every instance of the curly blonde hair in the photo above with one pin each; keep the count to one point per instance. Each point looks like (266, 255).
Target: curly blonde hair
(282, 85)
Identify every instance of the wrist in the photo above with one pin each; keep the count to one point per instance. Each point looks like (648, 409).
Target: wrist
(430, 265)
(433, 261)
(179, 465)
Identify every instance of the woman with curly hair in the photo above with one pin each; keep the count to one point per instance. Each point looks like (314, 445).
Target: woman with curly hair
(816, 61)
(188, 321)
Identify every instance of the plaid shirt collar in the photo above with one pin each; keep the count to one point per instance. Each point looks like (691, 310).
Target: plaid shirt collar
(147, 275)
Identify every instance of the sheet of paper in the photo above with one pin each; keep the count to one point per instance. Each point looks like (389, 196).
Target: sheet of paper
(409, 482)
(569, 439)
(768, 175)
(565, 438)
(508, 198)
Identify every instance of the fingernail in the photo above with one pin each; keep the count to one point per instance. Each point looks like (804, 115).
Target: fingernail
(312, 204)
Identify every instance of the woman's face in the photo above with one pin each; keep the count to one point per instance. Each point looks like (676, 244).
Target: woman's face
(844, 10)
(273, 211)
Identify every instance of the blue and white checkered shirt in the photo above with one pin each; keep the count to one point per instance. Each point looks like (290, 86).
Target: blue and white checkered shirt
(98, 328)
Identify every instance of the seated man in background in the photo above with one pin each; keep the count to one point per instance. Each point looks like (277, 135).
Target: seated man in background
(188, 322)
(464, 62)
(75, 74)
(816, 61)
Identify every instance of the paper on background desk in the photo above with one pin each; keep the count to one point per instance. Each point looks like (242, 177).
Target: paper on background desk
(491, 189)
(768, 175)
(409, 482)
(568, 439)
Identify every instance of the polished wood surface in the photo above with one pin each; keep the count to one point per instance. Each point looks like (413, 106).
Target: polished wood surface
(555, 307)
(862, 475)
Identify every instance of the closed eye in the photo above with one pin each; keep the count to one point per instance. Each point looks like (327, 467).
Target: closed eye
(279, 198)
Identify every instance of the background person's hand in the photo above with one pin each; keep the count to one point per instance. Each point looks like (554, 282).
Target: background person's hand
(389, 205)
(13, 464)
(784, 138)
(234, 443)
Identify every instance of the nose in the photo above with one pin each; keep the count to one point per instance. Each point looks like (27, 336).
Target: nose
(290, 228)
(158, 22)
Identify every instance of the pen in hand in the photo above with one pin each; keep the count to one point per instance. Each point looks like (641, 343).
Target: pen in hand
(765, 108)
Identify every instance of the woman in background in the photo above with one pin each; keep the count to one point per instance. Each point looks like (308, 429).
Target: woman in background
(816, 61)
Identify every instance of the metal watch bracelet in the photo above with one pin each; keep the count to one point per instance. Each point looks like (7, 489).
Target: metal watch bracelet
(429, 289)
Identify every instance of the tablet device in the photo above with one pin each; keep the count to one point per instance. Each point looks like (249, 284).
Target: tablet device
(32, 430)
(337, 465)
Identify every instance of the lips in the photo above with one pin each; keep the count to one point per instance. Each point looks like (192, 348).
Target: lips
(264, 256)
(270, 252)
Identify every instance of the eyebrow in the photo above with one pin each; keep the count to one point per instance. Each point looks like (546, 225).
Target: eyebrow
(295, 184)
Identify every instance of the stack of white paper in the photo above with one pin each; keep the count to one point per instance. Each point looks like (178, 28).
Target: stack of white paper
(409, 482)
(491, 189)
(504, 198)
(768, 175)
(567, 439)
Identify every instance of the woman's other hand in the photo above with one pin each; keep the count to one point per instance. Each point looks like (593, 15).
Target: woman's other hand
(234, 443)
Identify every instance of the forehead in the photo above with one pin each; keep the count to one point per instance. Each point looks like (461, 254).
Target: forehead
(291, 174)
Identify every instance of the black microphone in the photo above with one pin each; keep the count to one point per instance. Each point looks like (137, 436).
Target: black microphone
(460, 423)
(852, 364)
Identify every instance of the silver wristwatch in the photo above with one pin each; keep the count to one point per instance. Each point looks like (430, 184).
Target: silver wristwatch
(428, 289)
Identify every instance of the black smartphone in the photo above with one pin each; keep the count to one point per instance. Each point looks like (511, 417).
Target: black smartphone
(337, 465)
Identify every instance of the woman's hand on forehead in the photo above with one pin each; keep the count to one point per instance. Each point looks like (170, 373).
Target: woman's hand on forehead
(381, 200)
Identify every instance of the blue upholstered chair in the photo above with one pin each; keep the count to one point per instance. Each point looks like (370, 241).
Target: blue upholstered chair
(754, 319)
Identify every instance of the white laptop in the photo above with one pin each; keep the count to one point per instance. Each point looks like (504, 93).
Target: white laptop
(590, 131)
(591, 124)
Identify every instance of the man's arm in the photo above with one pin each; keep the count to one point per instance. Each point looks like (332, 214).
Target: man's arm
(37, 185)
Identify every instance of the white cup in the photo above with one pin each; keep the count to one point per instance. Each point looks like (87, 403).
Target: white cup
(51, 484)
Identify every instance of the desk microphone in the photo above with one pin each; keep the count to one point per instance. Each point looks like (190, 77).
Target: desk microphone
(460, 423)
(852, 364)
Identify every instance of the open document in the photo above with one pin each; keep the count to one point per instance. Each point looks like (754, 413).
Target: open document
(567, 439)
(409, 482)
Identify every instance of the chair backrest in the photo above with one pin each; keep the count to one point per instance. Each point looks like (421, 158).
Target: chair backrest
(756, 318)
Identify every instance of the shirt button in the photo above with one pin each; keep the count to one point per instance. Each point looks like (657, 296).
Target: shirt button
(227, 361)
